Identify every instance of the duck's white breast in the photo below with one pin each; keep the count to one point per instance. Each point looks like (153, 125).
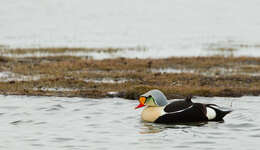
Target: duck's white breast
(150, 114)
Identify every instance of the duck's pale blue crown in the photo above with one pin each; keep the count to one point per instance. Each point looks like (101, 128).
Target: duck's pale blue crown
(158, 96)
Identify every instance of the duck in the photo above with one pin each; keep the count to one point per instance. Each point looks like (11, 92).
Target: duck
(158, 110)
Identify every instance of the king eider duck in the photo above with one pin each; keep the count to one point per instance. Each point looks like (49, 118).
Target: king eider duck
(157, 110)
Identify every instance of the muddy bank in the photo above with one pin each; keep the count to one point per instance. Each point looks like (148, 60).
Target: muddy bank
(128, 78)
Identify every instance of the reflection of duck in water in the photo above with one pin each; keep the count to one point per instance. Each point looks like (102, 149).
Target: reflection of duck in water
(151, 128)
(180, 111)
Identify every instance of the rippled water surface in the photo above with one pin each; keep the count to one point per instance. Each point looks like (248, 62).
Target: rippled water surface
(78, 123)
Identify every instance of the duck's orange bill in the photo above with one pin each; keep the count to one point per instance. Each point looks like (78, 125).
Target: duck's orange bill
(141, 101)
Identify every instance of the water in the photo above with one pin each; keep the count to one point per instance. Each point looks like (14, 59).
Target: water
(165, 27)
(78, 123)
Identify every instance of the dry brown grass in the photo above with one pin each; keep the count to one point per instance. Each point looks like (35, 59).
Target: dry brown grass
(63, 50)
(70, 72)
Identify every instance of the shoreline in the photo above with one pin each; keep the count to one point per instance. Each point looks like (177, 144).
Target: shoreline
(177, 77)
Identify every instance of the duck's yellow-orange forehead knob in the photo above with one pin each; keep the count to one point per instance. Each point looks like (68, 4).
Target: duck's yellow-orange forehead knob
(142, 100)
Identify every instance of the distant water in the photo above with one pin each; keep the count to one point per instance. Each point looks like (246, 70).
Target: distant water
(165, 27)
(79, 124)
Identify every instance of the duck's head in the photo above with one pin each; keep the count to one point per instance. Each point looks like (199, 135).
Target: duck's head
(154, 98)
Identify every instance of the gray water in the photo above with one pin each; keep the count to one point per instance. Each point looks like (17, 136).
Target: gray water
(81, 123)
(165, 27)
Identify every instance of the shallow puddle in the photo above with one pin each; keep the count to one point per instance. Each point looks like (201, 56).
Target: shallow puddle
(10, 76)
(78, 123)
(107, 80)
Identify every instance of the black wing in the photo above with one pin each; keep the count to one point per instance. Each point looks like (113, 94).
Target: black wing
(178, 105)
(196, 112)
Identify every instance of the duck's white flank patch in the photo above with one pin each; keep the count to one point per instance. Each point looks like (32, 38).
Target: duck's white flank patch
(211, 113)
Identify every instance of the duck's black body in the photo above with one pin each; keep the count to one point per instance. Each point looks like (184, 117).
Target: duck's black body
(157, 110)
(184, 111)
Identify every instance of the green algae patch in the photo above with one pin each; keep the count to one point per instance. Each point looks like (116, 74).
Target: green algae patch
(128, 78)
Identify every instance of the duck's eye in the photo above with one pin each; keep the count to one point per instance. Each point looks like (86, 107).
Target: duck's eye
(142, 100)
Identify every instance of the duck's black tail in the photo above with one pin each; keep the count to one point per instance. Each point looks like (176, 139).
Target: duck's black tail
(221, 112)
